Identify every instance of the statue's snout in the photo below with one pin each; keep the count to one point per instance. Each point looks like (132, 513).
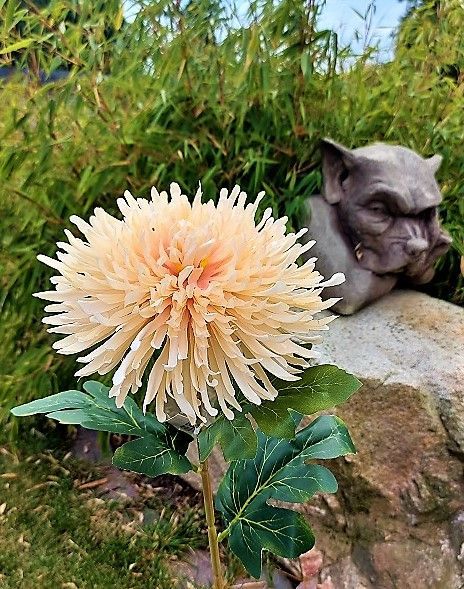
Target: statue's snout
(416, 246)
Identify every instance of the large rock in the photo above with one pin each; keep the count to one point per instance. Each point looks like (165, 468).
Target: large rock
(398, 519)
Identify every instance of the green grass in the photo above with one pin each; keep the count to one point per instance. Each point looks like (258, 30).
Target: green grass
(55, 536)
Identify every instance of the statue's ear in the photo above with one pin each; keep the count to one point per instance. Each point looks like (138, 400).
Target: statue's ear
(434, 162)
(337, 163)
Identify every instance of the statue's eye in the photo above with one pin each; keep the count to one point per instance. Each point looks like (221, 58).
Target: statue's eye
(343, 176)
(378, 207)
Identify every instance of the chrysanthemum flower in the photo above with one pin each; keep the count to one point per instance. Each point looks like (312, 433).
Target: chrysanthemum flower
(213, 296)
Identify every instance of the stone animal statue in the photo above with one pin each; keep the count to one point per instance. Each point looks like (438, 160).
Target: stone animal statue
(376, 221)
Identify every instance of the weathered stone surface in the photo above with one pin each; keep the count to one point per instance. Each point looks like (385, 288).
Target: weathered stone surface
(412, 340)
(397, 521)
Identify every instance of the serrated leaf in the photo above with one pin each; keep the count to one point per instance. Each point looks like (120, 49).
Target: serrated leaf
(237, 438)
(320, 387)
(151, 456)
(279, 471)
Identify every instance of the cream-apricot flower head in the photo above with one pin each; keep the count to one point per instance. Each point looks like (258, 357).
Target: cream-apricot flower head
(216, 298)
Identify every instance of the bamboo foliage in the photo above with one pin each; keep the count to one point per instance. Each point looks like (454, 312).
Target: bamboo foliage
(186, 90)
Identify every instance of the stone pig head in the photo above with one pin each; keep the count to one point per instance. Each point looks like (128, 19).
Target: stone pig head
(386, 199)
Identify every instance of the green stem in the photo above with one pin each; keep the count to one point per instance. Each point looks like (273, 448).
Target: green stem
(223, 535)
(210, 520)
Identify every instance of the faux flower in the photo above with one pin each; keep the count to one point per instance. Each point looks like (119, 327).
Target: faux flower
(198, 296)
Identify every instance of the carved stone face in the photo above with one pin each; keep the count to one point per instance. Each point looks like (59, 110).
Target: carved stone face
(386, 198)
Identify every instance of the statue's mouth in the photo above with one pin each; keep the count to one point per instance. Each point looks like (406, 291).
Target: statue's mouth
(412, 272)
(412, 268)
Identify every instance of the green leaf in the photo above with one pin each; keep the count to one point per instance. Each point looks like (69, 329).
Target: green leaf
(69, 416)
(152, 456)
(22, 44)
(159, 448)
(18, 45)
(279, 471)
(306, 64)
(237, 438)
(326, 437)
(321, 387)
(63, 400)
(274, 421)
(93, 409)
(280, 531)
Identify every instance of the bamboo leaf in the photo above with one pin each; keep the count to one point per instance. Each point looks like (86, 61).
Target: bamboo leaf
(22, 44)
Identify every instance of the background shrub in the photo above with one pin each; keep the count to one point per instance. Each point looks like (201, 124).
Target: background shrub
(187, 91)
